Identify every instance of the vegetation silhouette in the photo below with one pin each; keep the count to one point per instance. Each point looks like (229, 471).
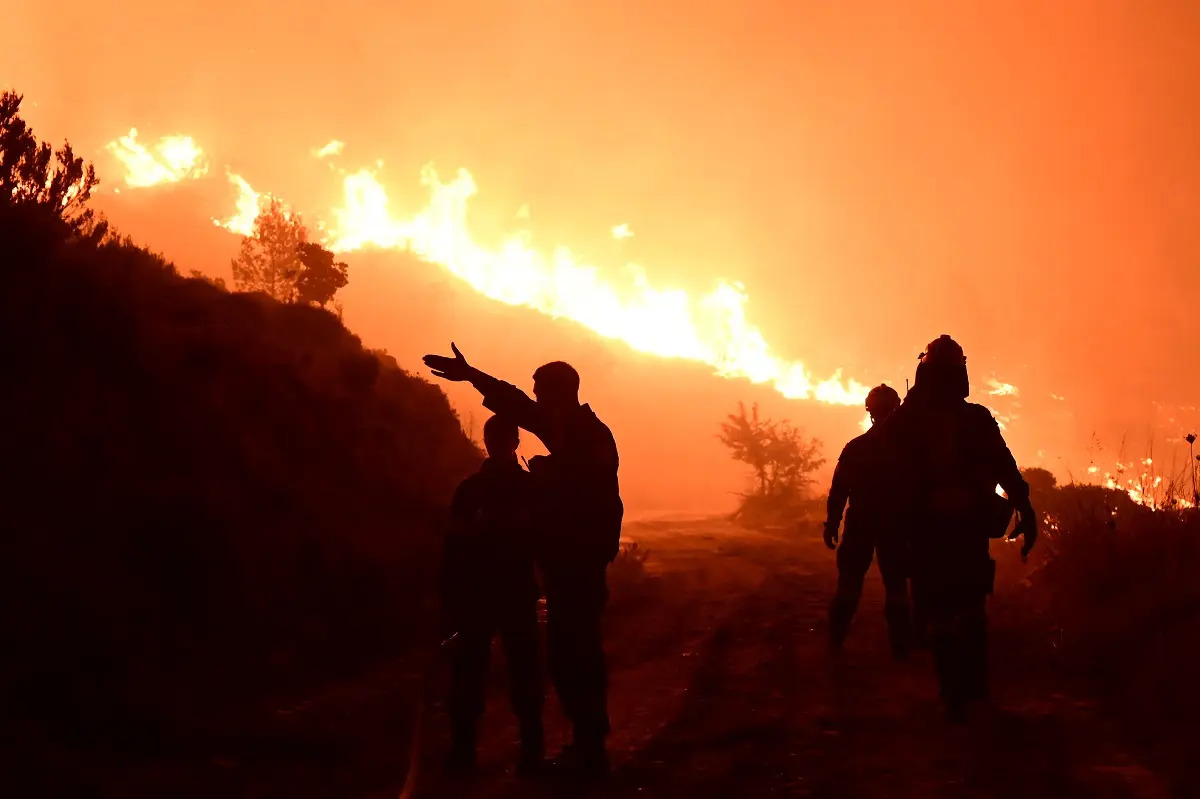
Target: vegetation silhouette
(34, 175)
(783, 462)
(278, 259)
(215, 500)
(1115, 596)
(221, 499)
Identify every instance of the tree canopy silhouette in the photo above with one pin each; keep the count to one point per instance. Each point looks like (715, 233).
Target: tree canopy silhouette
(320, 276)
(782, 458)
(279, 260)
(32, 174)
(269, 259)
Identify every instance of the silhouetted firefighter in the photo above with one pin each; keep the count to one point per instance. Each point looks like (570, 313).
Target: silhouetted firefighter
(577, 519)
(950, 456)
(488, 587)
(872, 530)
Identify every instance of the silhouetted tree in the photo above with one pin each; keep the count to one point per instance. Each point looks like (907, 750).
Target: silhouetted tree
(269, 260)
(782, 458)
(33, 174)
(320, 276)
(279, 260)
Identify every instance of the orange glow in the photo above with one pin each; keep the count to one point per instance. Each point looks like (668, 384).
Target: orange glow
(170, 160)
(1002, 420)
(334, 147)
(671, 323)
(871, 185)
(999, 389)
(1147, 488)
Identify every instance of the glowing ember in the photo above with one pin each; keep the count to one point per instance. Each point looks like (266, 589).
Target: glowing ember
(172, 159)
(622, 231)
(1151, 490)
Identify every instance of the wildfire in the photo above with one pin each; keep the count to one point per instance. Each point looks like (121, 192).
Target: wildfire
(172, 159)
(711, 328)
(248, 204)
(1148, 488)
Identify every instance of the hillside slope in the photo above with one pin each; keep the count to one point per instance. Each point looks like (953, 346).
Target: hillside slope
(212, 497)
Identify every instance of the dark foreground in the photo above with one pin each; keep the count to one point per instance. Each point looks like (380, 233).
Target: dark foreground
(721, 686)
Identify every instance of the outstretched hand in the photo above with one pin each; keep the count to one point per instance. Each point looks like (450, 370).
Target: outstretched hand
(456, 368)
(1027, 528)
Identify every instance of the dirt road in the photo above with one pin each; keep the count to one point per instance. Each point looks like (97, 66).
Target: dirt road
(721, 685)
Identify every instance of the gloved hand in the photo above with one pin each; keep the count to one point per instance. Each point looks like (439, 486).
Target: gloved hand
(1027, 527)
(831, 535)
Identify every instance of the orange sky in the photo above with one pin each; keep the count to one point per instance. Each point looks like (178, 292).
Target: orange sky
(1020, 175)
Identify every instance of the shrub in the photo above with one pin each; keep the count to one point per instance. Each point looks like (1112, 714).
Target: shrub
(1115, 588)
(783, 462)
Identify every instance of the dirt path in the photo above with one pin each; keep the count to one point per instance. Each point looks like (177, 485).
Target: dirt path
(741, 697)
(721, 685)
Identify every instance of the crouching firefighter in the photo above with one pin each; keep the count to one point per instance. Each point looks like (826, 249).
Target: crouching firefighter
(489, 588)
(950, 456)
(872, 530)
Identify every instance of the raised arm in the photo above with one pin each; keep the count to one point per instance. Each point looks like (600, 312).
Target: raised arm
(498, 396)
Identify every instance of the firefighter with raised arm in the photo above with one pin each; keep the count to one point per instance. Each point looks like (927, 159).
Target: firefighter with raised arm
(577, 521)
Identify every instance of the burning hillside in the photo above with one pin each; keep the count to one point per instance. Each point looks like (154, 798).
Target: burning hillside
(712, 328)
